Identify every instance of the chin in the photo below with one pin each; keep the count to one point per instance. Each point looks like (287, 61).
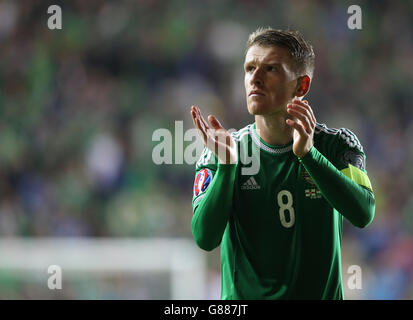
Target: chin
(255, 108)
(255, 112)
(258, 110)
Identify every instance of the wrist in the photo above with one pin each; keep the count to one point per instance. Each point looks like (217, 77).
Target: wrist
(306, 154)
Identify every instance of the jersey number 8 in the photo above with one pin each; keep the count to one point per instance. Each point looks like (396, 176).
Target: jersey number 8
(286, 207)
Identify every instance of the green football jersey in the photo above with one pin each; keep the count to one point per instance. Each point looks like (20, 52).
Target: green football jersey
(282, 239)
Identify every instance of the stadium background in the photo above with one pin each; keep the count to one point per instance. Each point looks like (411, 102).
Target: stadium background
(78, 108)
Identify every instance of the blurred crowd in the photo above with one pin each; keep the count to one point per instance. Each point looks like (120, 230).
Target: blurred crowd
(78, 107)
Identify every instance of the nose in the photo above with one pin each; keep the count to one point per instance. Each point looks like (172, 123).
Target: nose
(256, 77)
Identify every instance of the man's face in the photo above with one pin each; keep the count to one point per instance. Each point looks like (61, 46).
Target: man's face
(270, 82)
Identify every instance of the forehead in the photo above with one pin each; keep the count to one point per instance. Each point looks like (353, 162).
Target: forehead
(262, 54)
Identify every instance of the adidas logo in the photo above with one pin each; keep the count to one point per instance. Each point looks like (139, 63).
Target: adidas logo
(250, 184)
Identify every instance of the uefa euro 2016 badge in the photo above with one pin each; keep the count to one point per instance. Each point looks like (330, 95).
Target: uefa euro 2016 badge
(202, 181)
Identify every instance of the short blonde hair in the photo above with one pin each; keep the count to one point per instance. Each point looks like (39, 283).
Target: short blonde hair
(301, 51)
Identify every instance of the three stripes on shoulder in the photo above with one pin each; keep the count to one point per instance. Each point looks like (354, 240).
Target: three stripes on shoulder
(348, 136)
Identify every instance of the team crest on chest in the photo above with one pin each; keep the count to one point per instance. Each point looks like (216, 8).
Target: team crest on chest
(313, 192)
(306, 177)
(202, 181)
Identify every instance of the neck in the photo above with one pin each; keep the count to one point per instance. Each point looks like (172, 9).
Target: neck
(273, 129)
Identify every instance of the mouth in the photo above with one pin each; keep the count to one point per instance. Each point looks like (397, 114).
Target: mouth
(256, 93)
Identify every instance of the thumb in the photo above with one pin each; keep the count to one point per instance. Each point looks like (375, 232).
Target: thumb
(214, 122)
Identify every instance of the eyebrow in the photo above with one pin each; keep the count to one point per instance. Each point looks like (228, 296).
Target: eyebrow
(272, 63)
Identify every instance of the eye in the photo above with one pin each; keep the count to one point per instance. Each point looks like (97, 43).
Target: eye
(249, 68)
(271, 68)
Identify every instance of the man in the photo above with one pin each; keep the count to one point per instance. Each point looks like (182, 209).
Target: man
(279, 229)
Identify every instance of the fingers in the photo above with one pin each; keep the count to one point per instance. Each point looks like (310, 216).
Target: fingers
(305, 105)
(208, 134)
(300, 115)
(302, 111)
(195, 118)
(193, 115)
(214, 122)
(297, 126)
(196, 114)
(202, 130)
(202, 121)
(216, 138)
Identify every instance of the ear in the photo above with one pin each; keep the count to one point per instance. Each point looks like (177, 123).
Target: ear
(303, 86)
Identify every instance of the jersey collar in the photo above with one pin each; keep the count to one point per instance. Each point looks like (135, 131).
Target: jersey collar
(267, 147)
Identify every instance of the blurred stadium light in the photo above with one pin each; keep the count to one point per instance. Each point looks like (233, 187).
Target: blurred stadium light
(86, 257)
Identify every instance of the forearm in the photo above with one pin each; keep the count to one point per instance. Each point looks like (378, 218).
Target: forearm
(211, 214)
(353, 201)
